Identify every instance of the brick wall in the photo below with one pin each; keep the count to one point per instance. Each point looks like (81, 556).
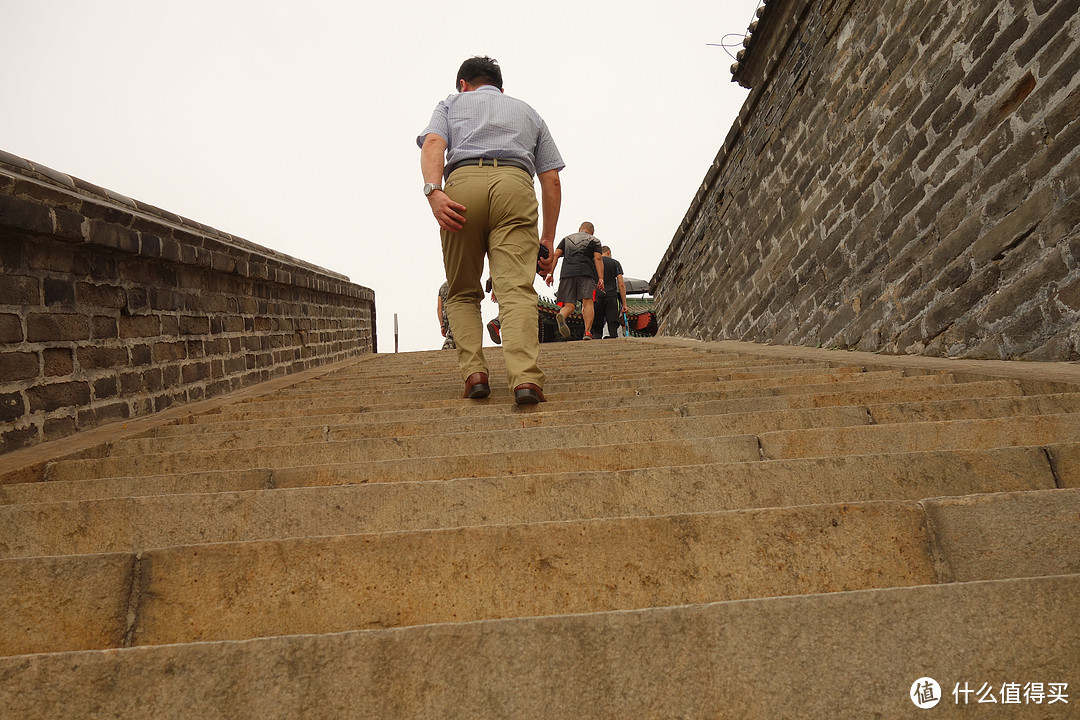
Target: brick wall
(903, 177)
(111, 309)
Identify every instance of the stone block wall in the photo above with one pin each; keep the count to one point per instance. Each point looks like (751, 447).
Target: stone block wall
(112, 309)
(904, 177)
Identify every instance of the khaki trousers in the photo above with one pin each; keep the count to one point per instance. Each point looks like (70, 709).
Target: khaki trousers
(501, 222)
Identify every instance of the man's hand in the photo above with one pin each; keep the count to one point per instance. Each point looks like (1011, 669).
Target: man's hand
(550, 279)
(547, 264)
(447, 212)
(600, 285)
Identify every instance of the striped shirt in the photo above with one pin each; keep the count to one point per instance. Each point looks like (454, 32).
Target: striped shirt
(485, 123)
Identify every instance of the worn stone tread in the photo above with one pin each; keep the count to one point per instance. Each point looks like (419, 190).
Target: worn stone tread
(157, 519)
(660, 663)
(939, 435)
(226, 421)
(539, 440)
(966, 407)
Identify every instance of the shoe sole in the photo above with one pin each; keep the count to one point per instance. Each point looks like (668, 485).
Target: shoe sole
(478, 392)
(564, 329)
(494, 334)
(526, 397)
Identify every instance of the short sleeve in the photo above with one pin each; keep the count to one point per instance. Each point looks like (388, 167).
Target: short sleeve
(439, 124)
(547, 154)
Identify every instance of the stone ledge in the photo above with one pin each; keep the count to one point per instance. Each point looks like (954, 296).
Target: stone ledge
(41, 201)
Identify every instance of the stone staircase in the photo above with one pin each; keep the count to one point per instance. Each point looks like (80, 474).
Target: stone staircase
(686, 530)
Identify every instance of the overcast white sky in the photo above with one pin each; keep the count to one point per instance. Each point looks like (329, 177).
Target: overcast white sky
(293, 123)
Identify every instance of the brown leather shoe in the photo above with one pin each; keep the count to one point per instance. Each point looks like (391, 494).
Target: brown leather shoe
(476, 386)
(528, 394)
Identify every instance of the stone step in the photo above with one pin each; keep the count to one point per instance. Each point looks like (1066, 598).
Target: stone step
(640, 423)
(487, 468)
(973, 408)
(870, 387)
(914, 436)
(575, 368)
(755, 660)
(847, 434)
(966, 408)
(391, 398)
(875, 388)
(921, 389)
(354, 427)
(616, 369)
(235, 591)
(629, 376)
(539, 440)
(831, 383)
(223, 418)
(414, 364)
(741, 448)
(129, 523)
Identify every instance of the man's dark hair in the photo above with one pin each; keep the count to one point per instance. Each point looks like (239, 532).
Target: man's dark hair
(479, 71)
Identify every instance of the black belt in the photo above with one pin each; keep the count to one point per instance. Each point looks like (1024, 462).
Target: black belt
(487, 162)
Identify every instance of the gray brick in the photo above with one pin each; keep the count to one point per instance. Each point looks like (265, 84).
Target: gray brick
(48, 327)
(16, 366)
(113, 235)
(19, 290)
(100, 296)
(139, 326)
(58, 362)
(101, 358)
(46, 398)
(25, 215)
(59, 291)
(19, 438)
(11, 329)
(1015, 227)
(1050, 26)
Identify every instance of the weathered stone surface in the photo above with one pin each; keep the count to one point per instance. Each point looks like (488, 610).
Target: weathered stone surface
(18, 366)
(699, 661)
(245, 590)
(55, 604)
(947, 435)
(1066, 464)
(24, 215)
(384, 460)
(914, 174)
(990, 537)
(205, 508)
(593, 562)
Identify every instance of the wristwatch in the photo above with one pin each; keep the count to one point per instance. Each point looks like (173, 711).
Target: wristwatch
(430, 188)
